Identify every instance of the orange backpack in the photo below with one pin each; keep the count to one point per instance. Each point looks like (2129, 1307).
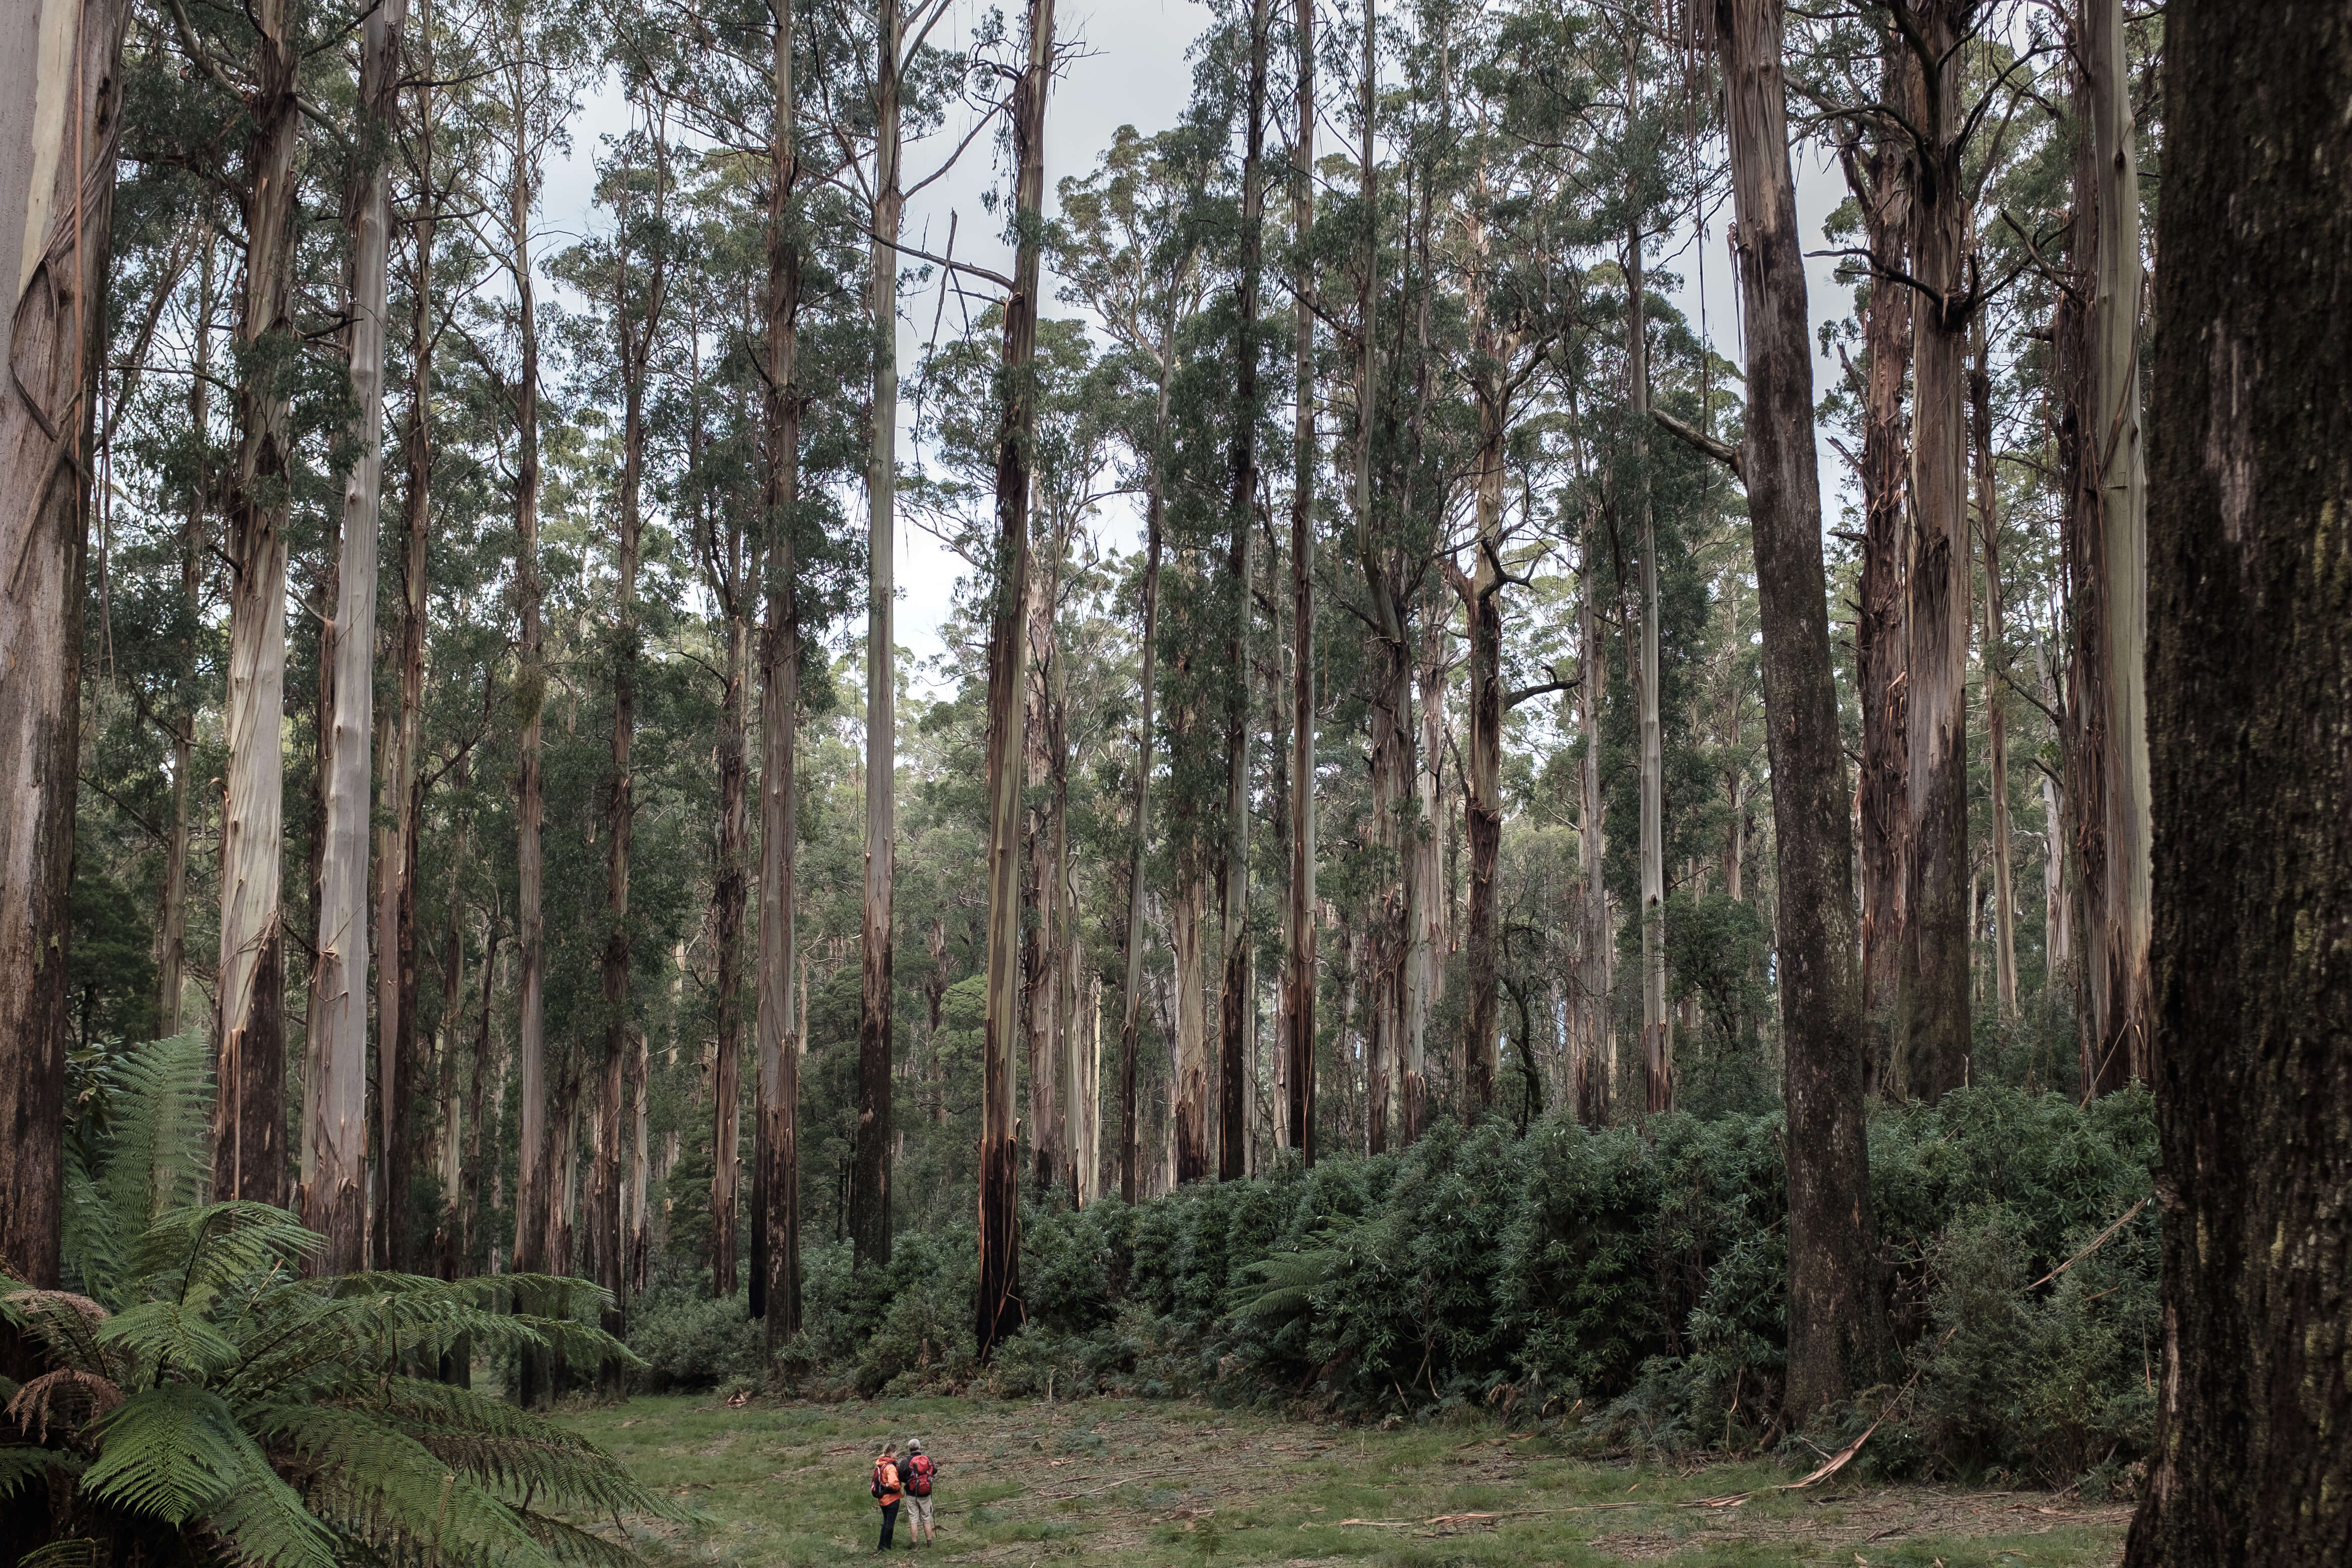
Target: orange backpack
(886, 1481)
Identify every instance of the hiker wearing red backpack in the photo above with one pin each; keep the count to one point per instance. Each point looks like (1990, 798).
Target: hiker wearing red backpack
(887, 1491)
(917, 1475)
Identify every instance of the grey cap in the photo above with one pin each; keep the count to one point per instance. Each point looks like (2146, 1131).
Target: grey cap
(914, 1445)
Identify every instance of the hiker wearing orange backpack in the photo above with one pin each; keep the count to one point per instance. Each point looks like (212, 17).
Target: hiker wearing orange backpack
(887, 1491)
(916, 1474)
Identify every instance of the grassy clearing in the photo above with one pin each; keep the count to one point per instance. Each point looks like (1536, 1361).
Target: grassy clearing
(1135, 1482)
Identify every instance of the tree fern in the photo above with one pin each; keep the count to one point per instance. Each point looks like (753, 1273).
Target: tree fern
(205, 1402)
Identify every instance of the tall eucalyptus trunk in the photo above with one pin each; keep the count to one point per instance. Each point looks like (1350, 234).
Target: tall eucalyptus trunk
(1995, 664)
(335, 1198)
(1935, 1045)
(194, 543)
(776, 1224)
(1657, 1063)
(869, 1176)
(2250, 676)
(1235, 1002)
(1834, 1323)
(997, 1312)
(1295, 1036)
(1039, 1010)
(1155, 507)
(249, 1124)
(1595, 1067)
(60, 117)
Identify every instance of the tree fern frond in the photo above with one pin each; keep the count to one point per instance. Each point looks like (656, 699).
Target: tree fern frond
(513, 1451)
(19, 1464)
(66, 1325)
(76, 1554)
(159, 1130)
(568, 1544)
(265, 1523)
(58, 1393)
(206, 1248)
(166, 1334)
(171, 1452)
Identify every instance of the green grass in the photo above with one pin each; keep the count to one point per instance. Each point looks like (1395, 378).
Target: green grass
(1131, 1482)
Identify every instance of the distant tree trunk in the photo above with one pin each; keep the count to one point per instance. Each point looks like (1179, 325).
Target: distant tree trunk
(249, 1137)
(1131, 987)
(997, 1312)
(869, 1184)
(1232, 883)
(60, 118)
(1596, 1064)
(1482, 808)
(1833, 1328)
(1037, 1014)
(1190, 1092)
(172, 939)
(480, 1110)
(1936, 923)
(729, 894)
(1995, 660)
(1297, 1036)
(536, 1206)
(1422, 866)
(335, 1201)
(2250, 674)
(2057, 904)
(776, 1268)
(2105, 528)
(1657, 1062)
(1879, 179)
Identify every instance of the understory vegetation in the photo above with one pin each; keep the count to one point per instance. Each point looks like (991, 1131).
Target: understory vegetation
(1621, 1288)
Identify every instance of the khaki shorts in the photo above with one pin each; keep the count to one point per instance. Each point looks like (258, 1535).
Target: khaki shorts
(917, 1511)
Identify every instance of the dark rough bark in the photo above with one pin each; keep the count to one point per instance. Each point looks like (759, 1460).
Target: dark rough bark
(730, 897)
(1831, 1308)
(2250, 677)
(997, 1312)
(1936, 1041)
(776, 1181)
(51, 335)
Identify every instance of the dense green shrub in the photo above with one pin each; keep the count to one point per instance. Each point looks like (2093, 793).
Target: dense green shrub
(1629, 1281)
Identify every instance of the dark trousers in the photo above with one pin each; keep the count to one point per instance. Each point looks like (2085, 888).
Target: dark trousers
(889, 1523)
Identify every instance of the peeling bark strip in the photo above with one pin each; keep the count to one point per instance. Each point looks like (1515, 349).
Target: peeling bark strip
(1832, 1328)
(2250, 674)
(869, 1174)
(997, 1310)
(61, 113)
(250, 1140)
(335, 1124)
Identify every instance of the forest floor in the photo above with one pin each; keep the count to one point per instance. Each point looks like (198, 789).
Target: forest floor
(1133, 1482)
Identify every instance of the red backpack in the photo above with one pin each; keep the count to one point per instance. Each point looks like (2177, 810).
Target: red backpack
(918, 1475)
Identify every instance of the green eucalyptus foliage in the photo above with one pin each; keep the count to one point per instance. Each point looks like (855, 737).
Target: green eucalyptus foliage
(202, 1400)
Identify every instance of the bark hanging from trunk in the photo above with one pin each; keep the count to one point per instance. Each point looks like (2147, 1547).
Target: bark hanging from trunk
(1834, 1329)
(60, 117)
(249, 1135)
(776, 1234)
(2250, 674)
(1935, 1045)
(1296, 1038)
(997, 1312)
(869, 1183)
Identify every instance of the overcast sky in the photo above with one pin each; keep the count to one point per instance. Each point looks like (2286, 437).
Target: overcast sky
(1133, 69)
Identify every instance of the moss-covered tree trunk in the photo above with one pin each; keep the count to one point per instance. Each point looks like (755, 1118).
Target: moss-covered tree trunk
(2250, 680)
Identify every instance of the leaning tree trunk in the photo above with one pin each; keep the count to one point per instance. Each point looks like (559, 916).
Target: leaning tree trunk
(1298, 1036)
(997, 1310)
(249, 1124)
(2250, 676)
(335, 1201)
(1234, 1000)
(1832, 1312)
(60, 117)
(776, 1266)
(870, 1175)
(1936, 917)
